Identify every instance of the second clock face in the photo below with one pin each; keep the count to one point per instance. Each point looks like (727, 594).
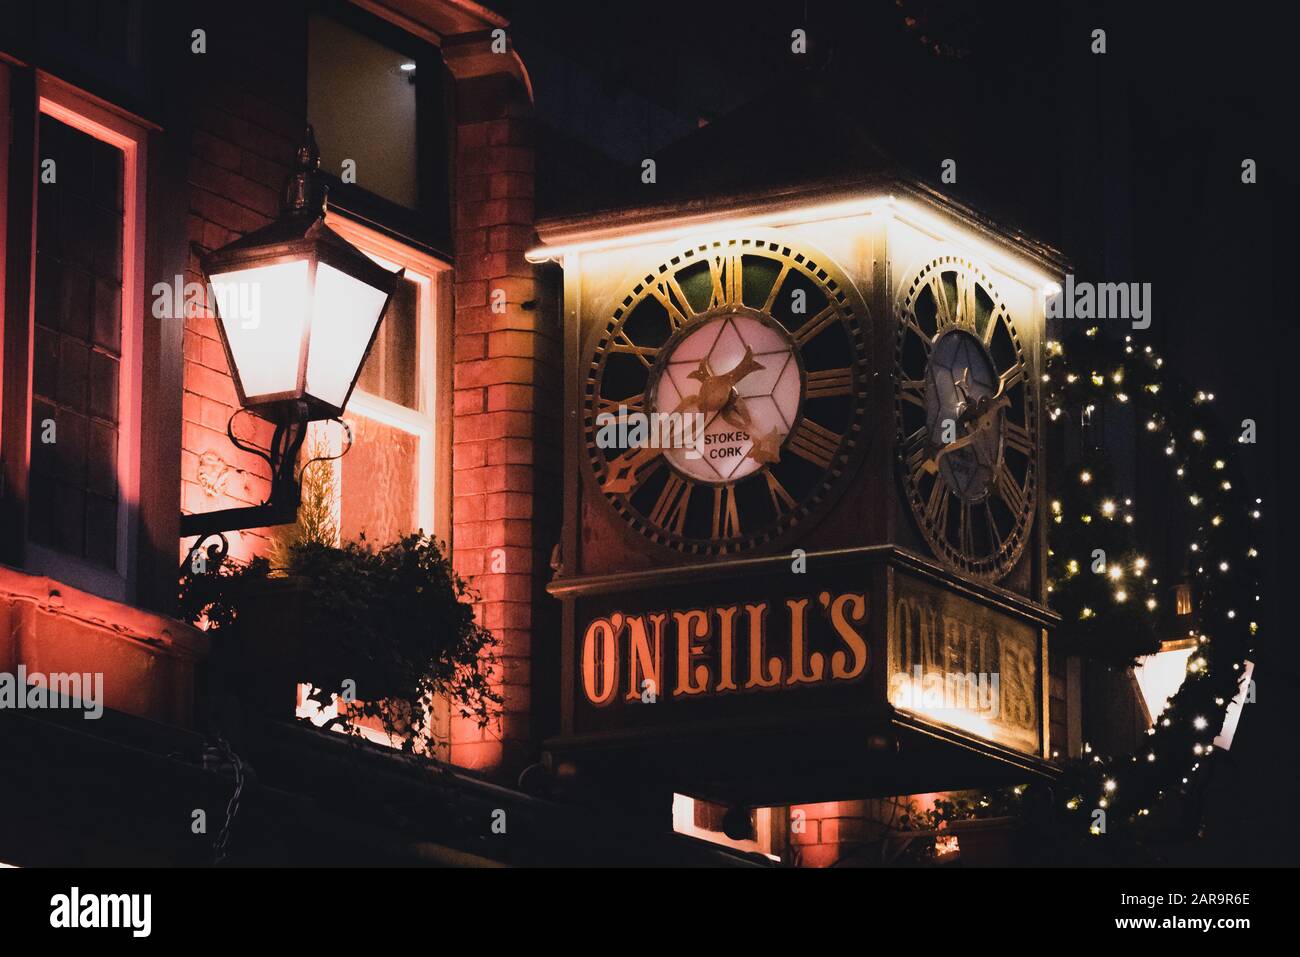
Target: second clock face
(746, 360)
(967, 425)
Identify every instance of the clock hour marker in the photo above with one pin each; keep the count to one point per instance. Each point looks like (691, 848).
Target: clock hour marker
(1009, 490)
(726, 519)
(623, 344)
(782, 501)
(965, 301)
(725, 272)
(991, 526)
(776, 288)
(936, 508)
(916, 453)
(829, 383)
(913, 391)
(991, 327)
(966, 531)
(943, 313)
(633, 403)
(670, 510)
(814, 442)
(669, 295)
(814, 326)
(1017, 438)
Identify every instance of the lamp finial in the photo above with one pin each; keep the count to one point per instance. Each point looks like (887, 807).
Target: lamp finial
(304, 192)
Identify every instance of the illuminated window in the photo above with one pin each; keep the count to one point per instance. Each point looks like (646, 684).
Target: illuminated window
(1159, 676)
(393, 481)
(86, 327)
(363, 105)
(77, 346)
(704, 820)
(377, 97)
(386, 483)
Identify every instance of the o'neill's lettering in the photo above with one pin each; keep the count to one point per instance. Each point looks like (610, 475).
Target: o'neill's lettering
(727, 648)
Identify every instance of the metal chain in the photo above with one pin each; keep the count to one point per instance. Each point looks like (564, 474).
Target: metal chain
(232, 808)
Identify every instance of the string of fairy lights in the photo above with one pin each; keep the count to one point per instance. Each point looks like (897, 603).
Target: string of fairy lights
(1102, 584)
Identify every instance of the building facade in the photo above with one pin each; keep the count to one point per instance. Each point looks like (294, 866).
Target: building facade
(738, 634)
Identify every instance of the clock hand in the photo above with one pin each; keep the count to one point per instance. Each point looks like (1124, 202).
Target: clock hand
(983, 413)
(623, 471)
(744, 367)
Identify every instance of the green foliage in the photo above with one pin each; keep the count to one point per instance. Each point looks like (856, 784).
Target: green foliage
(1209, 505)
(315, 524)
(396, 618)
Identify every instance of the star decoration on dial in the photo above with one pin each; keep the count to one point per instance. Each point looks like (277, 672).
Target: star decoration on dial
(718, 392)
(767, 449)
(759, 393)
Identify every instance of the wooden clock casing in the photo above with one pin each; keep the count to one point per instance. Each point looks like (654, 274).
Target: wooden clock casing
(618, 559)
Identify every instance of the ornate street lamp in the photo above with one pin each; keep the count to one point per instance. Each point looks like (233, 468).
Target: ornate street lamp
(298, 308)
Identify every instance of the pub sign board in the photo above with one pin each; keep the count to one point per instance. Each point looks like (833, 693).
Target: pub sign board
(857, 633)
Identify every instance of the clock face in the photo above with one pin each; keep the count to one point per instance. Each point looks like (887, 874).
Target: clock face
(967, 425)
(726, 395)
(742, 376)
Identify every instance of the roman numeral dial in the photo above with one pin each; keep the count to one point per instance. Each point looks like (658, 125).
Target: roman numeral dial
(726, 395)
(965, 409)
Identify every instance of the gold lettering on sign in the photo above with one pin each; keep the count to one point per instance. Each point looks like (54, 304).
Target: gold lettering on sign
(796, 646)
(758, 677)
(646, 659)
(691, 625)
(726, 648)
(600, 659)
(803, 668)
(965, 665)
(849, 635)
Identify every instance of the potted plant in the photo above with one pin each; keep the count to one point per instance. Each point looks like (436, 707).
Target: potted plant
(385, 629)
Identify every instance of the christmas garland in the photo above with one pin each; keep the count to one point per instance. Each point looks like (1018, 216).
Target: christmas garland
(1105, 590)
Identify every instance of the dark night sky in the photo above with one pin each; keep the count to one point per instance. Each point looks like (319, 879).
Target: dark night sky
(1130, 162)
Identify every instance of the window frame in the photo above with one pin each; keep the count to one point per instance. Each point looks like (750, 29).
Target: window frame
(102, 121)
(429, 422)
(429, 221)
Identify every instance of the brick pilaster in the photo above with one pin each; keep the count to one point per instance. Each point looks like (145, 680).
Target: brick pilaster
(506, 410)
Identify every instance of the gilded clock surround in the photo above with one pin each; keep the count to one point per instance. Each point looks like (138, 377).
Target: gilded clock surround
(972, 484)
(783, 286)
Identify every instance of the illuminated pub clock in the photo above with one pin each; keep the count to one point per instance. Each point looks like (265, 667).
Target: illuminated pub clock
(967, 429)
(759, 609)
(759, 346)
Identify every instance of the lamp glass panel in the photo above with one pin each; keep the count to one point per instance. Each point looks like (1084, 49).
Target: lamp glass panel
(262, 312)
(347, 311)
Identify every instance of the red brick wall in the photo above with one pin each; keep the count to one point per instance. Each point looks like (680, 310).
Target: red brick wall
(247, 121)
(506, 364)
(505, 429)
